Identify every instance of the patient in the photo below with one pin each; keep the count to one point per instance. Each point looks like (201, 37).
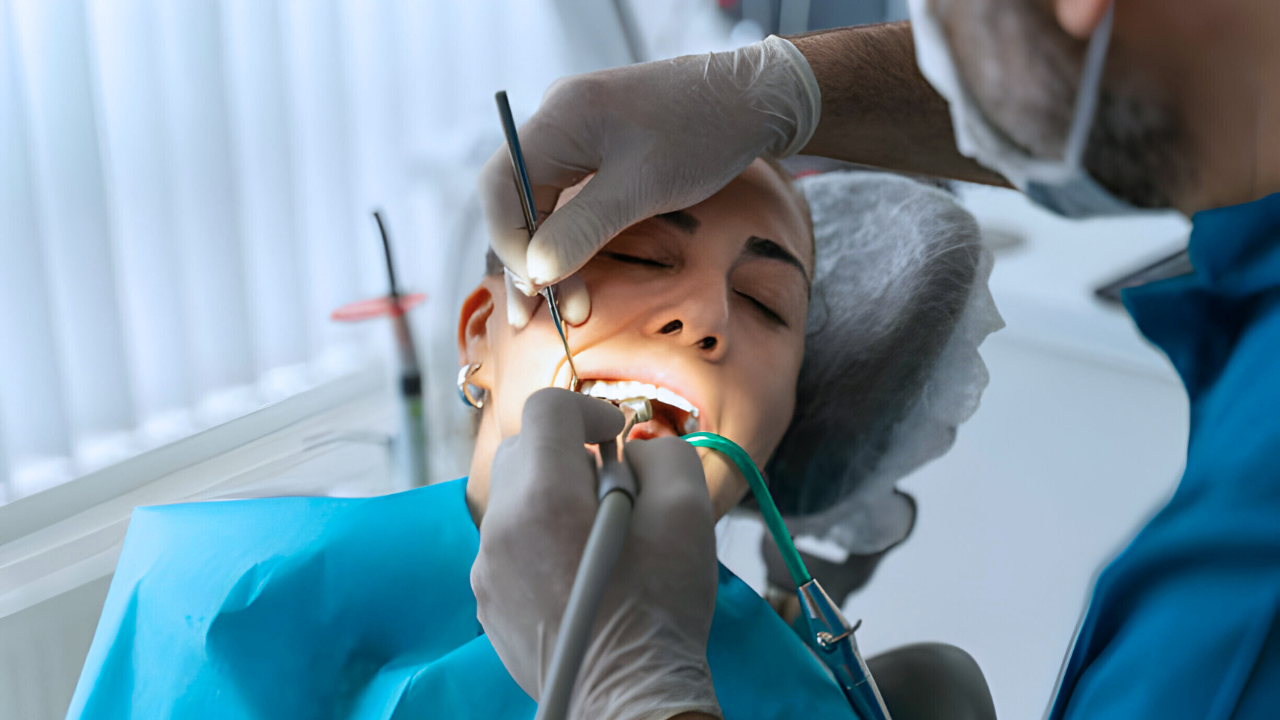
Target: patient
(702, 310)
(362, 608)
(705, 312)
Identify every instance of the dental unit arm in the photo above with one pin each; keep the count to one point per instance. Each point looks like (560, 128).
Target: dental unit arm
(832, 637)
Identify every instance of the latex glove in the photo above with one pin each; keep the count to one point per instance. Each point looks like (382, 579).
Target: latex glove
(660, 136)
(647, 656)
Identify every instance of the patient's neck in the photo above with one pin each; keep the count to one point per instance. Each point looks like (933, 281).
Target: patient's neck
(487, 439)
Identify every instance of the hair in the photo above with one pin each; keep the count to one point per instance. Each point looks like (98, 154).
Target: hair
(1022, 70)
(895, 265)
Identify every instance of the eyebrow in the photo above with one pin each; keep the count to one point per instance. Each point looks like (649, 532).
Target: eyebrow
(681, 220)
(770, 250)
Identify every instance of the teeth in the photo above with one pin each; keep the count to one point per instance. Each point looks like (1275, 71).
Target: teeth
(629, 388)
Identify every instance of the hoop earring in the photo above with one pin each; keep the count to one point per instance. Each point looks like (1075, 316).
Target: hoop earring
(464, 388)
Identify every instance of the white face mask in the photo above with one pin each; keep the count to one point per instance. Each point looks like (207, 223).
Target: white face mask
(1063, 186)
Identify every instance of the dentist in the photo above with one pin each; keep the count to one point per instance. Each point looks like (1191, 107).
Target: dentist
(1090, 109)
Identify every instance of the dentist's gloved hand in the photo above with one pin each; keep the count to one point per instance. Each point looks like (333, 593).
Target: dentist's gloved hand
(660, 136)
(648, 654)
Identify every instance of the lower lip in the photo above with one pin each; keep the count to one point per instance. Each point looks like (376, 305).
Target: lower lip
(650, 430)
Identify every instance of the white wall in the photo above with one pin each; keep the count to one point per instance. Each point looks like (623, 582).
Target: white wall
(1063, 464)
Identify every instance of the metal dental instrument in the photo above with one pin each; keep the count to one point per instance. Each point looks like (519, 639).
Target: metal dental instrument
(531, 218)
(617, 494)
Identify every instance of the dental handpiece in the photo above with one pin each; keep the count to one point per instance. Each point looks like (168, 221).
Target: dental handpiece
(617, 492)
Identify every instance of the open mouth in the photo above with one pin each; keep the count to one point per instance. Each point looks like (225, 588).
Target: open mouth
(672, 414)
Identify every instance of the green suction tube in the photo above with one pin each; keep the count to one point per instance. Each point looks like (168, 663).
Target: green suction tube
(772, 518)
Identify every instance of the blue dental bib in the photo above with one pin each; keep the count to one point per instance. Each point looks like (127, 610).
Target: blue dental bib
(358, 609)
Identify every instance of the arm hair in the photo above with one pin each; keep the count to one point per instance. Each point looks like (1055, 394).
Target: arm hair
(878, 110)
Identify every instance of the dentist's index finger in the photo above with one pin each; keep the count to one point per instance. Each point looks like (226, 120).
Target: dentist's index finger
(570, 236)
(562, 421)
(520, 307)
(555, 160)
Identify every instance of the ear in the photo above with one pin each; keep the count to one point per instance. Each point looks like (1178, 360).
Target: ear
(473, 325)
(1080, 17)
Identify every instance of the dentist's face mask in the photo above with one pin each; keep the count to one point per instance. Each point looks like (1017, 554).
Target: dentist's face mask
(1062, 186)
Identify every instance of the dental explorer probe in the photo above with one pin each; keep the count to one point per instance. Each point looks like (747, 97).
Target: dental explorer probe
(617, 493)
(531, 218)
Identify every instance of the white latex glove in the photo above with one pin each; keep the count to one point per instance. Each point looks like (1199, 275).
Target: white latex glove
(660, 136)
(648, 653)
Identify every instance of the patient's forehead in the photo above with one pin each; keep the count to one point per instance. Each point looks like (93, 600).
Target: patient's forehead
(759, 186)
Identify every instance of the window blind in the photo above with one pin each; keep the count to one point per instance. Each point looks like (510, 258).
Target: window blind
(185, 190)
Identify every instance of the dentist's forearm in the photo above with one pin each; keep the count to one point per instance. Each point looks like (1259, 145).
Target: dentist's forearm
(877, 109)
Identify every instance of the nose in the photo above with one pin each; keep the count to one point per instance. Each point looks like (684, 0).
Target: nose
(697, 316)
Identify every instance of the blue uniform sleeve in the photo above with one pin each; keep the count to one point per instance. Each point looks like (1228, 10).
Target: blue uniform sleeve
(1261, 695)
(1200, 648)
(1183, 624)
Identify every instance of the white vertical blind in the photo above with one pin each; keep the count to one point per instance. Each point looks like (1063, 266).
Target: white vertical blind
(206, 208)
(148, 255)
(186, 188)
(30, 369)
(73, 229)
(257, 88)
(314, 56)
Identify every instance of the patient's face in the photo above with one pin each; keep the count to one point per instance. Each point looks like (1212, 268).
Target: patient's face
(703, 310)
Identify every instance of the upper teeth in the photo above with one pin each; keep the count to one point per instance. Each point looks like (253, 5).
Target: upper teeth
(621, 390)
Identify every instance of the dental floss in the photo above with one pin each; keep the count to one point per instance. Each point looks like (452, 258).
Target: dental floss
(531, 217)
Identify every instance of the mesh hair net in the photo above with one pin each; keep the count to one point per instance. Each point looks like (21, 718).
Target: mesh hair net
(899, 306)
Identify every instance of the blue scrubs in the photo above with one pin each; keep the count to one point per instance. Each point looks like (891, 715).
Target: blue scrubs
(358, 609)
(1185, 623)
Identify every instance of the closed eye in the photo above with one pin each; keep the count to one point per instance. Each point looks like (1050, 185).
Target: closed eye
(765, 310)
(633, 260)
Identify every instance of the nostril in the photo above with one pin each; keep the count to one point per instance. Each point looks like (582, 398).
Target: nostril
(707, 343)
(671, 327)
